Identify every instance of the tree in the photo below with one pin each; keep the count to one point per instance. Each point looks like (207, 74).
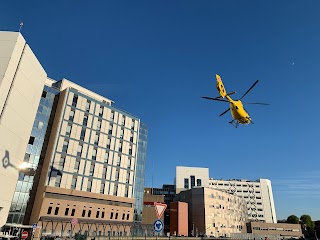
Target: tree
(293, 219)
(306, 219)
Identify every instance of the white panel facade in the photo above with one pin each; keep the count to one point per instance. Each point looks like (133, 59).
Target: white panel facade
(21, 83)
(257, 194)
(188, 177)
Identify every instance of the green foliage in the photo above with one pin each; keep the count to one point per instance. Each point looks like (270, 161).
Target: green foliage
(293, 219)
(306, 219)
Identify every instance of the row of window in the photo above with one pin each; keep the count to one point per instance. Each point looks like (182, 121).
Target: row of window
(101, 109)
(87, 213)
(233, 185)
(89, 185)
(192, 181)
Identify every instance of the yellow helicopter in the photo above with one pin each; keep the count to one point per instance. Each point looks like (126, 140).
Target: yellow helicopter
(239, 114)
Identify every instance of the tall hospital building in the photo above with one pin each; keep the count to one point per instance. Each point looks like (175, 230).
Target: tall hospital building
(257, 194)
(67, 152)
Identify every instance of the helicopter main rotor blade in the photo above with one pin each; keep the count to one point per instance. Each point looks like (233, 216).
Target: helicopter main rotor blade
(249, 89)
(256, 103)
(215, 99)
(224, 112)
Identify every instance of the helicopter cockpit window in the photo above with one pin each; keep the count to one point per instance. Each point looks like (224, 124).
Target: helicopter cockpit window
(237, 107)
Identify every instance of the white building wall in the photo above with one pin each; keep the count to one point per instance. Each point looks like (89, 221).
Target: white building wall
(21, 83)
(183, 173)
(257, 194)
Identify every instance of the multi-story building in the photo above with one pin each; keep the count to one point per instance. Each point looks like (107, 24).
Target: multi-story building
(257, 194)
(83, 159)
(189, 177)
(214, 212)
(21, 82)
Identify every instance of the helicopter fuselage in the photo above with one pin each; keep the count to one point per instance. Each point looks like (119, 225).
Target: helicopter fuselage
(238, 112)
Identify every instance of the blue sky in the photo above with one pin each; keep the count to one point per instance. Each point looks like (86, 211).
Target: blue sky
(156, 59)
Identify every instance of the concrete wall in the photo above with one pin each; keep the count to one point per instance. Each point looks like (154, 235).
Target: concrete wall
(21, 82)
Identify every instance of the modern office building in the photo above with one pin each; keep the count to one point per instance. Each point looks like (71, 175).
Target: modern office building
(83, 158)
(189, 177)
(21, 83)
(284, 230)
(257, 194)
(213, 212)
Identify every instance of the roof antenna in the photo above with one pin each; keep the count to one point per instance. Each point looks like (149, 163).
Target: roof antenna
(21, 24)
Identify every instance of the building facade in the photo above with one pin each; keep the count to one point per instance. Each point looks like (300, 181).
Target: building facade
(179, 219)
(83, 159)
(257, 194)
(214, 212)
(189, 177)
(284, 230)
(21, 82)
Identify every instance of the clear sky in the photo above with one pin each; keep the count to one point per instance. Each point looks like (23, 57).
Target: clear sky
(156, 59)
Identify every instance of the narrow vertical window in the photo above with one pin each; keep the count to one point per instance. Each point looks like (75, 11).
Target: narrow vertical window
(89, 185)
(88, 105)
(101, 111)
(65, 145)
(75, 100)
(94, 154)
(68, 130)
(71, 115)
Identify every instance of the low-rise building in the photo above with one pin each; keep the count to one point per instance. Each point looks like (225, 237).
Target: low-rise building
(285, 230)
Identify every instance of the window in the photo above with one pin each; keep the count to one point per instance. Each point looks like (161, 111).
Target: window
(96, 139)
(102, 214)
(74, 182)
(120, 147)
(101, 111)
(108, 143)
(56, 211)
(115, 190)
(110, 128)
(75, 100)
(31, 140)
(112, 115)
(40, 125)
(198, 182)
(89, 213)
(119, 160)
(44, 94)
(89, 185)
(61, 163)
(71, 116)
(79, 152)
(121, 133)
(106, 156)
(58, 181)
(99, 124)
(126, 194)
(117, 175)
(68, 131)
(130, 150)
(193, 181)
(76, 166)
(98, 213)
(49, 210)
(102, 186)
(132, 124)
(73, 211)
(66, 212)
(65, 146)
(83, 212)
(128, 177)
(104, 172)
(128, 216)
(111, 215)
(186, 183)
(82, 134)
(116, 215)
(123, 216)
(94, 154)
(129, 163)
(85, 120)
(123, 120)
(131, 137)
(88, 105)
(91, 170)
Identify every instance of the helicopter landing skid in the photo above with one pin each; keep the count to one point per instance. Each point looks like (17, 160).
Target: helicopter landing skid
(234, 123)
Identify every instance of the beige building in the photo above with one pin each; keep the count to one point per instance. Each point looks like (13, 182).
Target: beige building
(21, 82)
(213, 212)
(284, 230)
(89, 166)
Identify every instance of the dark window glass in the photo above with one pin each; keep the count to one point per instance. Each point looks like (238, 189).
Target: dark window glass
(116, 216)
(31, 140)
(193, 181)
(73, 212)
(89, 213)
(56, 211)
(44, 94)
(83, 212)
(111, 215)
(102, 214)
(49, 210)
(98, 213)
(186, 183)
(66, 212)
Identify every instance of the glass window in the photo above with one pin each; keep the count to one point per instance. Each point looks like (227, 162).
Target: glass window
(112, 115)
(96, 139)
(31, 140)
(106, 156)
(44, 94)
(120, 147)
(75, 100)
(74, 182)
(49, 210)
(130, 150)
(94, 154)
(83, 212)
(65, 146)
(71, 116)
(73, 211)
(68, 131)
(85, 120)
(58, 181)
(76, 166)
(102, 186)
(199, 182)
(119, 160)
(61, 162)
(110, 128)
(186, 183)
(82, 134)
(104, 172)
(88, 105)
(66, 212)
(89, 213)
(56, 211)
(108, 142)
(91, 170)
(101, 111)
(132, 124)
(192, 179)
(89, 185)
(99, 124)
(79, 152)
